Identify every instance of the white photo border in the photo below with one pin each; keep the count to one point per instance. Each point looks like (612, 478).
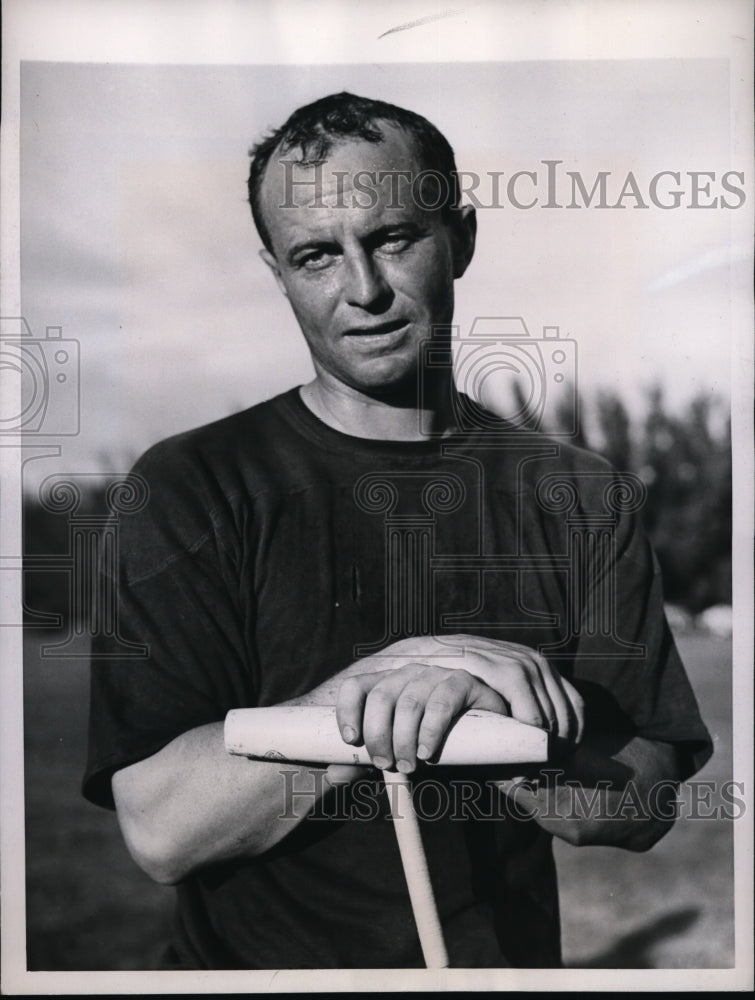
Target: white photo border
(335, 31)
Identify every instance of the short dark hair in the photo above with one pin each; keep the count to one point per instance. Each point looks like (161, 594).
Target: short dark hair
(316, 127)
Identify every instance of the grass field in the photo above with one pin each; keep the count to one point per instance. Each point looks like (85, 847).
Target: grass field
(90, 908)
(671, 907)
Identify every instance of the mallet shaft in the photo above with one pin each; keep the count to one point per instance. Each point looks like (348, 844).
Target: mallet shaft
(414, 862)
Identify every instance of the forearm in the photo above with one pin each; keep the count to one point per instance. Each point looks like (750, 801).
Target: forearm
(621, 797)
(192, 803)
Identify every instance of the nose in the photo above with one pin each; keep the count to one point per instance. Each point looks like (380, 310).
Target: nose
(365, 284)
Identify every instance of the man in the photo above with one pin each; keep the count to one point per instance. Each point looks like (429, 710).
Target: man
(286, 556)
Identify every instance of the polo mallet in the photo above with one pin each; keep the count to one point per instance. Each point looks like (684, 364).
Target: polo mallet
(305, 734)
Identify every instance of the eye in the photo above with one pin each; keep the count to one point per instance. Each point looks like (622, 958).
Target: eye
(315, 256)
(394, 242)
(315, 260)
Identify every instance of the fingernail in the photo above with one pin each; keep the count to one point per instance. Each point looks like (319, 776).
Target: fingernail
(404, 766)
(349, 734)
(422, 752)
(381, 762)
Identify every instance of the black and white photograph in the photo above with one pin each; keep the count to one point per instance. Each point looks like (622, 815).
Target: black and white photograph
(376, 455)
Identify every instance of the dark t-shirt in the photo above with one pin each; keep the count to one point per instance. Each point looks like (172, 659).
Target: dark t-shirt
(273, 551)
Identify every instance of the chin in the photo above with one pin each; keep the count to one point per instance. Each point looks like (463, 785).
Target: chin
(388, 380)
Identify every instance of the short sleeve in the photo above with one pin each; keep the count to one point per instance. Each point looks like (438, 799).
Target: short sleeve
(627, 666)
(176, 656)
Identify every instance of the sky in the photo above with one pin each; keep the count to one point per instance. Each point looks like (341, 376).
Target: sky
(136, 237)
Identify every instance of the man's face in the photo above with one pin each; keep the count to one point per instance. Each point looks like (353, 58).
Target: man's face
(369, 274)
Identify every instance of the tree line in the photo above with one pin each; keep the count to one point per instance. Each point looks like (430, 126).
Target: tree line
(685, 461)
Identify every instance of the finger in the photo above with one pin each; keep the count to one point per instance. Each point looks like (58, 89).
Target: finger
(524, 703)
(535, 670)
(567, 701)
(457, 693)
(568, 721)
(578, 708)
(408, 714)
(379, 709)
(552, 703)
(499, 663)
(563, 722)
(514, 672)
(350, 706)
(561, 718)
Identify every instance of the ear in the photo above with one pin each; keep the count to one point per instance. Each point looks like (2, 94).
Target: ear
(464, 230)
(272, 263)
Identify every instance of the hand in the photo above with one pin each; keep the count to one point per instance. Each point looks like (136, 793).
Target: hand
(402, 708)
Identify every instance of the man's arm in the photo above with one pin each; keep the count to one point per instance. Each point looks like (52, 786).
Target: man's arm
(604, 795)
(604, 790)
(192, 804)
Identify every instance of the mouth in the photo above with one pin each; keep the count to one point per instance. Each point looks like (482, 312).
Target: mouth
(378, 333)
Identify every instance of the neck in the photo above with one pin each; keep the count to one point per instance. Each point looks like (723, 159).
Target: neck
(392, 416)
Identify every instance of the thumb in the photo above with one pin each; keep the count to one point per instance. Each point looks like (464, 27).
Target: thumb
(344, 774)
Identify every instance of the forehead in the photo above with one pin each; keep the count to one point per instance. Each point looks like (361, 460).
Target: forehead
(357, 176)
